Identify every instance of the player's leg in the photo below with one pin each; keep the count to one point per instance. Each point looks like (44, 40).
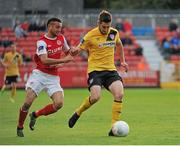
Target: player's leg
(13, 87)
(94, 83)
(116, 88)
(7, 85)
(54, 91)
(3, 88)
(33, 87)
(7, 88)
(51, 108)
(30, 96)
(13, 92)
(95, 94)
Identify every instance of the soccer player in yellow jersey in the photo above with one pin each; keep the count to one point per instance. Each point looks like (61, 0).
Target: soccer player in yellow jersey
(101, 43)
(11, 62)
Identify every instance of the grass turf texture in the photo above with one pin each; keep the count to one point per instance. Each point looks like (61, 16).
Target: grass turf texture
(152, 114)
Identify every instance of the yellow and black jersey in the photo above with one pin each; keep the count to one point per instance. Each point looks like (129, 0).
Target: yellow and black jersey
(100, 49)
(13, 60)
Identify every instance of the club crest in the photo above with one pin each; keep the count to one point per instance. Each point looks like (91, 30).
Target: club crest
(111, 36)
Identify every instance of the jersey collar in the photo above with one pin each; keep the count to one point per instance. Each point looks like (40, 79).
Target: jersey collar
(49, 37)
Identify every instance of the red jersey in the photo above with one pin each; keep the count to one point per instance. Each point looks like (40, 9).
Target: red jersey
(53, 47)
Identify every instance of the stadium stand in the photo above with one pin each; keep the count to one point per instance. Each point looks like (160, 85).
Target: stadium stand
(73, 35)
(77, 69)
(165, 41)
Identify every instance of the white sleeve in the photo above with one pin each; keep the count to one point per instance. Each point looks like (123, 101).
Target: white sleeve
(66, 46)
(41, 47)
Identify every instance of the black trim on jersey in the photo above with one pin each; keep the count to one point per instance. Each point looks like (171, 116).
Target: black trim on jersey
(82, 41)
(112, 32)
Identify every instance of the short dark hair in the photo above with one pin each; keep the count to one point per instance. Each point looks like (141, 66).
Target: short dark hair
(105, 16)
(53, 20)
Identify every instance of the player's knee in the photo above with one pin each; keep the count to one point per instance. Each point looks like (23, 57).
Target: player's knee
(118, 96)
(26, 107)
(58, 105)
(13, 86)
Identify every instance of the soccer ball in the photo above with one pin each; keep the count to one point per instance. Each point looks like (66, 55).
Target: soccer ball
(120, 128)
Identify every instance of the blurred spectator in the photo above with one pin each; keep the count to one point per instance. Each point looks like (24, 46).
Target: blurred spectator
(25, 26)
(32, 25)
(36, 24)
(173, 25)
(167, 44)
(26, 59)
(175, 42)
(15, 23)
(126, 40)
(119, 25)
(42, 26)
(138, 50)
(166, 49)
(5, 42)
(142, 65)
(19, 32)
(127, 25)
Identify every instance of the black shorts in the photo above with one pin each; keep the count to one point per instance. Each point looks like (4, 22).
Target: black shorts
(11, 79)
(103, 78)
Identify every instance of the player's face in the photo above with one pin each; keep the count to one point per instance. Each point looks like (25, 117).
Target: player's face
(104, 27)
(55, 28)
(13, 47)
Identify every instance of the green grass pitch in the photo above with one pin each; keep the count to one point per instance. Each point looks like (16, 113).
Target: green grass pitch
(152, 114)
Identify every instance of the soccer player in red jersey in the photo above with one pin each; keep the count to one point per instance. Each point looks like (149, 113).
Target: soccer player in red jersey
(45, 77)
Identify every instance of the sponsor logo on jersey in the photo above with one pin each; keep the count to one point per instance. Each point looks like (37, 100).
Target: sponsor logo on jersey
(59, 42)
(107, 44)
(40, 48)
(55, 50)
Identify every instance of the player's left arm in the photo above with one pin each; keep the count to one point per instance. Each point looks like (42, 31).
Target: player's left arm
(20, 60)
(120, 49)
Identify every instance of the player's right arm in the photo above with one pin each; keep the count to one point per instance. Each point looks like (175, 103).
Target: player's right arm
(42, 53)
(83, 45)
(4, 61)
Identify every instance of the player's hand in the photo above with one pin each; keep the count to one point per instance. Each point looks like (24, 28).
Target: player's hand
(67, 58)
(125, 66)
(73, 51)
